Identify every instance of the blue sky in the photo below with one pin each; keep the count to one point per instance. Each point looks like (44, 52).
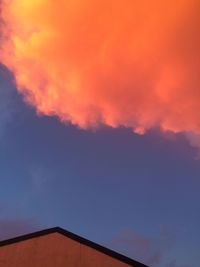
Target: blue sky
(136, 194)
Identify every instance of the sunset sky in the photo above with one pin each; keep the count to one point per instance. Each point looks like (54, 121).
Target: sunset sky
(100, 124)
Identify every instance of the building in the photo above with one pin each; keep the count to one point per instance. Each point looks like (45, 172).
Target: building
(57, 247)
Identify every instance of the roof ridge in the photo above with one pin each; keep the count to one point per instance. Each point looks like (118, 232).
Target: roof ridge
(77, 238)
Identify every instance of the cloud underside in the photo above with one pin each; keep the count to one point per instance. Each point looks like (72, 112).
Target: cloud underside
(133, 64)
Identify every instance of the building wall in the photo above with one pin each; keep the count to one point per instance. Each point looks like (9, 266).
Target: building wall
(54, 250)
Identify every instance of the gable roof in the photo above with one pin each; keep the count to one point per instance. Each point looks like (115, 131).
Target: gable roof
(77, 238)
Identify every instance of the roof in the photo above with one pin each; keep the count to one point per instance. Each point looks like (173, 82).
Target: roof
(77, 238)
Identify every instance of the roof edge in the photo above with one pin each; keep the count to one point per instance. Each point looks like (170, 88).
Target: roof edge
(77, 238)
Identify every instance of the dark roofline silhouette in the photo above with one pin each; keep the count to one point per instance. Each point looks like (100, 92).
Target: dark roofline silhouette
(77, 238)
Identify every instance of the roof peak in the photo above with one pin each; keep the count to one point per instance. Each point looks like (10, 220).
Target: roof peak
(74, 237)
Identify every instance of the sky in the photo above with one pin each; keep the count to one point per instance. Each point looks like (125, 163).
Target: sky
(137, 194)
(99, 125)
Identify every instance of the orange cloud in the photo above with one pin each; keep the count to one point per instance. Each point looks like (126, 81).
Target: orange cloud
(119, 63)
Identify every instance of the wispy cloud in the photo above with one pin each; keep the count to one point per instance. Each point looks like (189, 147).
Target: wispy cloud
(13, 227)
(40, 177)
(173, 263)
(147, 249)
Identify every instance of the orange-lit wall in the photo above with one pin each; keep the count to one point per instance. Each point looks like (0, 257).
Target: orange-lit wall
(54, 250)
